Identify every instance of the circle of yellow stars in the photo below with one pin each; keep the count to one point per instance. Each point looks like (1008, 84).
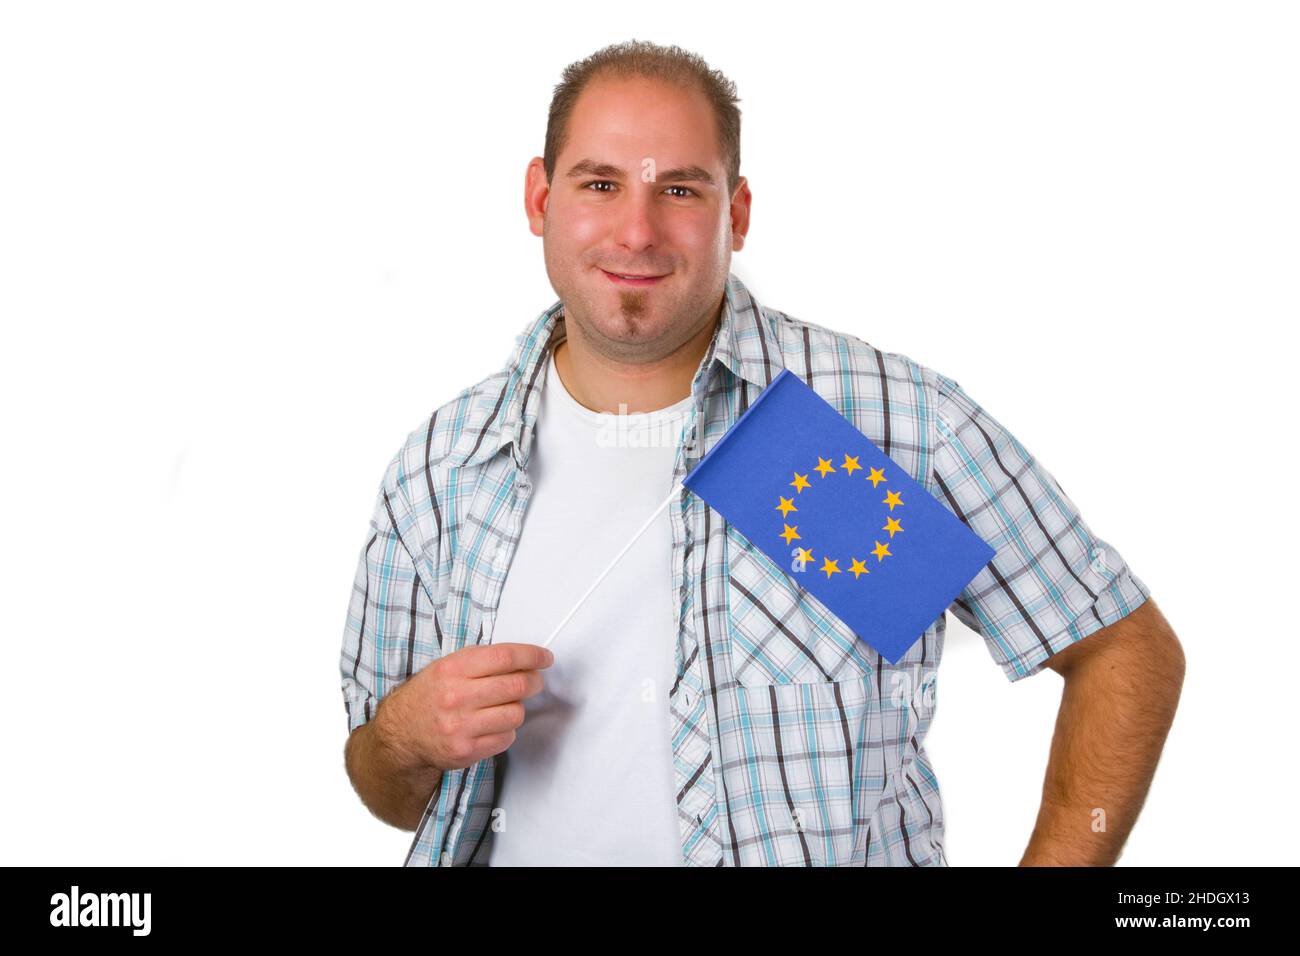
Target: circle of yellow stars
(848, 466)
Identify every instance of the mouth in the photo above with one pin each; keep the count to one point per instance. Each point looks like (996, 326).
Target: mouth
(634, 280)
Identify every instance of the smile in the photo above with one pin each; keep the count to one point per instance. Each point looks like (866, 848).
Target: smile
(632, 280)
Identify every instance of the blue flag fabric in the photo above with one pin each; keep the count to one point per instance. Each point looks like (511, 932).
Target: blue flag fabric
(838, 515)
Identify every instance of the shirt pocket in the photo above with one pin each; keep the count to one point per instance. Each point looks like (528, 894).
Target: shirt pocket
(779, 632)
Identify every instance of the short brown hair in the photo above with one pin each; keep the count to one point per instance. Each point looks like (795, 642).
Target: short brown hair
(642, 58)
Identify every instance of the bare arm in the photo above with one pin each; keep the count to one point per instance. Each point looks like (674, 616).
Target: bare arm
(394, 784)
(1122, 686)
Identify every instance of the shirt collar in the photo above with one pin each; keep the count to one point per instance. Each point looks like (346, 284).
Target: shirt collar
(745, 343)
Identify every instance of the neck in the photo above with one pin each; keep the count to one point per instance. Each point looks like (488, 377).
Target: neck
(602, 384)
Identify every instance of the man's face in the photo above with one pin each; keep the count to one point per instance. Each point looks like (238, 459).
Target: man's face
(639, 190)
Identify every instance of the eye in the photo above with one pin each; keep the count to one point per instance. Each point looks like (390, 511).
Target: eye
(686, 191)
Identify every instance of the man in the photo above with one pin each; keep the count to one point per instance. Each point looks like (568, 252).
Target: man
(698, 709)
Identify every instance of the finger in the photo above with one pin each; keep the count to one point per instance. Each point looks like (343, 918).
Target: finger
(494, 720)
(483, 659)
(492, 744)
(502, 688)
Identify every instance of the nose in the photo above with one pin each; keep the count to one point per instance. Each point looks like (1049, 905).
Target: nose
(636, 227)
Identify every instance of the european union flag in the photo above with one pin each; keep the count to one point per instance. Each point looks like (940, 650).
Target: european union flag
(850, 526)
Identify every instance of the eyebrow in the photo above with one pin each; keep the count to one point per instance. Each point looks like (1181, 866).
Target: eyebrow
(678, 174)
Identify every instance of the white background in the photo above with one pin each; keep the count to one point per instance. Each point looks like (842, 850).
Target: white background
(245, 248)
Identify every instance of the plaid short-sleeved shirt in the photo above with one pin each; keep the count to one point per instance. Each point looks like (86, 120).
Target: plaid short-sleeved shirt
(792, 754)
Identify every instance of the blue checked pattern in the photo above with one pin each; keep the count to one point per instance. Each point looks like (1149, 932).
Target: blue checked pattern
(794, 742)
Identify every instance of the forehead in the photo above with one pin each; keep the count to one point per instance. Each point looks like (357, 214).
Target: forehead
(639, 117)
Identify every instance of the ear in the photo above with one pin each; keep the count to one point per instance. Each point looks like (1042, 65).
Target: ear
(536, 193)
(740, 202)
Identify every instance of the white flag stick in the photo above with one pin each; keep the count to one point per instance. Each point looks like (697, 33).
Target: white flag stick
(640, 531)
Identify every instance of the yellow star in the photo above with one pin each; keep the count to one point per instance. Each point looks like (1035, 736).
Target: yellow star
(805, 554)
(850, 464)
(880, 551)
(823, 466)
(829, 567)
(800, 482)
(785, 507)
(891, 499)
(876, 477)
(892, 525)
(789, 533)
(858, 568)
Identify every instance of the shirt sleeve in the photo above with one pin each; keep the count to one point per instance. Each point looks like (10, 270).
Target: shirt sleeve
(1052, 581)
(389, 616)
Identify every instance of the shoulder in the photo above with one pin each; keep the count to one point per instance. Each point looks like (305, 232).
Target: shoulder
(891, 397)
(809, 345)
(437, 458)
(898, 402)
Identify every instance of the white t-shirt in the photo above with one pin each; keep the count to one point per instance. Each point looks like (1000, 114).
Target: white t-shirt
(589, 778)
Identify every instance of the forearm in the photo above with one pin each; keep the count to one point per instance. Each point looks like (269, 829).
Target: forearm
(1115, 713)
(392, 785)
